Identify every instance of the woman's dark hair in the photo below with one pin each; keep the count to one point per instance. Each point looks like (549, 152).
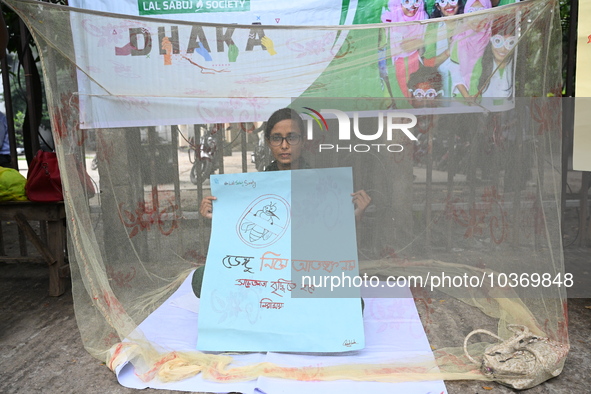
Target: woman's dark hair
(504, 26)
(488, 66)
(426, 74)
(436, 13)
(283, 114)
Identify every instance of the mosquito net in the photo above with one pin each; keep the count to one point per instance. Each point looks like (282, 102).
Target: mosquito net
(463, 171)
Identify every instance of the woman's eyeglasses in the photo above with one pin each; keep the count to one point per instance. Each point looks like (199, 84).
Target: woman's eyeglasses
(498, 41)
(473, 9)
(443, 3)
(411, 3)
(292, 139)
(427, 94)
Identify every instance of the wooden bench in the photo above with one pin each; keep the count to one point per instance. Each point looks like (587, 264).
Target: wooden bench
(50, 243)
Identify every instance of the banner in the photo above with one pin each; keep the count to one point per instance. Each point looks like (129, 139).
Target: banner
(204, 73)
(245, 12)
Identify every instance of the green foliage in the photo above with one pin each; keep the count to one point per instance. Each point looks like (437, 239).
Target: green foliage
(565, 14)
(17, 75)
(19, 118)
(565, 21)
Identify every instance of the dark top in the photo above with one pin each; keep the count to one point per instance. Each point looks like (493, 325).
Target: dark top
(272, 167)
(275, 167)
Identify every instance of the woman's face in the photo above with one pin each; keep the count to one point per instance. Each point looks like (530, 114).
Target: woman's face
(285, 142)
(477, 23)
(448, 7)
(501, 46)
(410, 7)
(424, 95)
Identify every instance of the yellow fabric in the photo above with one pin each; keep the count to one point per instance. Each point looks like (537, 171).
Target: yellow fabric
(12, 185)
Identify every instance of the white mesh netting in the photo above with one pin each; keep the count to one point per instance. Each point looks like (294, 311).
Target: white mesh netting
(477, 194)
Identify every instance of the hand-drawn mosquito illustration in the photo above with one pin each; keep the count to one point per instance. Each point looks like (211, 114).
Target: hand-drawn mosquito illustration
(264, 221)
(255, 232)
(268, 212)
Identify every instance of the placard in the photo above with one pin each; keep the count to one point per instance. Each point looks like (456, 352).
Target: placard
(249, 301)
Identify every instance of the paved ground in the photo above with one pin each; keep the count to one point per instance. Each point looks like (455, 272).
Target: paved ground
(41, 350)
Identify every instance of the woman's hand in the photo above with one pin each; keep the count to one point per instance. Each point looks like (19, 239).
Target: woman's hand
(206, 207)
(361, 200)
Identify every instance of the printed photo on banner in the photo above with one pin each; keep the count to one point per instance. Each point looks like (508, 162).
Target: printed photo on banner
(443, 56)
(468, 60)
